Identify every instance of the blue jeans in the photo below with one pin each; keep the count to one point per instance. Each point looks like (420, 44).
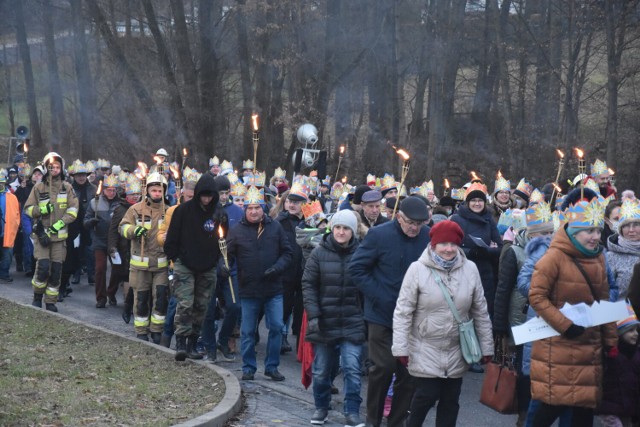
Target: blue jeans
(27, 244)
(231, 310)
(563, 421)
(167, 329)
(322, 370)
(6, 256)
(251, 308)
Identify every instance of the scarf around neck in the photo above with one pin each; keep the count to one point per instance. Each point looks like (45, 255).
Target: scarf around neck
(629, 244)
(447, 265)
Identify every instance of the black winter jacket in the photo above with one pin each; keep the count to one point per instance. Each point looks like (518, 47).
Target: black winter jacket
(506, 290)
(115, 239)
(293, 275)
(254, 255)
(193, 235)
(100, 231)
(331, 296)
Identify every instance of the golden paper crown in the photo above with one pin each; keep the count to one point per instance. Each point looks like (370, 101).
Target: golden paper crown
(122, 177)
(214, 161)
(110, 181)
(299, 190)
(91, 166)
(371, 179)
(238, 189)
(103, 163)
(501, 184)
(233, 178)
(388, 182)
(599, 168)
(429, 185)
(629, 212)
(133, 185)
(26, 169)
(190, 175)
(254, 196)
(524, 187)
(536, 196)
(247, 164)
(586, 214)
(226, 168)
(591, 184)
(3, 175)
(78, 167)
(280, 173)
(538, 214)
(259, 179)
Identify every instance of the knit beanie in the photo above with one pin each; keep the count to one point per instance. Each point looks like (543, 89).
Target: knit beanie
(345, 218)
(446, 231)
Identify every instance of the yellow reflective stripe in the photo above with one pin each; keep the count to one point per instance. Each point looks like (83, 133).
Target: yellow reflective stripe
(62, 234)
(72, 211)
(29, 211)
(157, 319)
(37, 284)
(52, 291)
(139, 262)
(141, 321)
(62, 198)
(43, 203)
(124, 229)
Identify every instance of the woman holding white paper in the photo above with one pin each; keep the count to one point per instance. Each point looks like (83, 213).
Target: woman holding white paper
(566, 371)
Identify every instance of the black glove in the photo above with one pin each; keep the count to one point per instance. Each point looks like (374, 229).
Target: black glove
(223, 272)
(270, 273)
(44, 240)
(574, 331)
(92, 222)
(314, 326)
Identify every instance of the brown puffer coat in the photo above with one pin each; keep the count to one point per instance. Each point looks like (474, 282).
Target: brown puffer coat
(568, 371)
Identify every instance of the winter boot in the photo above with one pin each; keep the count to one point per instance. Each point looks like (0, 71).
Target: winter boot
(285, 347)
(192, 353)
(127, 307)
(51, 307)
(181, 348)
(37, 300)
(156, 337)
(165, 341)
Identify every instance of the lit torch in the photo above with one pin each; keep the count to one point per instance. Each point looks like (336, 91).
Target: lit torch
(222, 243)
(26, 153)
(340, 156)
(95, 212)
(403, 175)
(446, 186)
(582, 168)
(612, 180)
(176, 178)
(344, 180)
(256, 140)
(474, 177)
(184, 158)
(560, 166)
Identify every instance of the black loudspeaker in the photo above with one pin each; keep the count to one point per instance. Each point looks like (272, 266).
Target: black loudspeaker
(321, 166)
(297, 164)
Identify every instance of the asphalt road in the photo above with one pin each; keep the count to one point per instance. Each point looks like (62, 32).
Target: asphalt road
(267, 403)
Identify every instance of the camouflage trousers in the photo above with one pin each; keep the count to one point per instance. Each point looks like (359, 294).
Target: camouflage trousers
(150, 299)
(48, 270)
(192, 292)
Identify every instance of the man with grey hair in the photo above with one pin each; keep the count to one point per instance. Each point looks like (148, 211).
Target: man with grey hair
(628, 195)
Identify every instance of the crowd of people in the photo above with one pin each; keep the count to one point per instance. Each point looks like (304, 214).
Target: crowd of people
(372, 279)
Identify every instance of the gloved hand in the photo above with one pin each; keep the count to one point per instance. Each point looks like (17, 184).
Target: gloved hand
(46, 209)
(44, 240)
(485, 360)
(612, 352)
(314, 326)
(57, 226)
(270, 273)
(223, 272)
(404, 360)
(92, 222)
(140, 231)
(574, 331)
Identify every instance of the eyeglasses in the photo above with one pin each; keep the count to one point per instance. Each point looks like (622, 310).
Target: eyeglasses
(632, 225)
(410, 222)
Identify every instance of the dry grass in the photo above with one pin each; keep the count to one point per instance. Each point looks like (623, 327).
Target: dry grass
(57, 373)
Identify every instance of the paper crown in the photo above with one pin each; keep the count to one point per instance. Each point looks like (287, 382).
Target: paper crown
(337, 190)
(388, 182)
(475, 186)
(3, 175)
(501, 184)
(591, 184)
(110, 181)
(247, 164)
(254, 196)
(91, 166)
(536, 196)
(524, 187)
(190, 175)
(457, 193)
(513, 218)
(629, 212)
(312, 208)
(371, 180)
(25, 170)
(559, 219)
(133, 185)
(326, 181)
(258, 179)
(122, 177)
(629, 321)
(599, 168)
(586, 214)
(78, 167)
(214, 161)
(238, 189)
(226, 168)
(428, 185)
(103, 163)
(280, 173)
(299, 190)
(233, 178)
(313, 184)
(538, 214)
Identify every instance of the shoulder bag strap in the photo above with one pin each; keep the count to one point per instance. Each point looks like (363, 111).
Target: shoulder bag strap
(586, 277)
(447, 297)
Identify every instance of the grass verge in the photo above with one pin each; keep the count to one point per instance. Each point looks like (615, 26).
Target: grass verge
(57, 373)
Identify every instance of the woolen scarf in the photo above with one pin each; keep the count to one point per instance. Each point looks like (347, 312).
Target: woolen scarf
(629, 244)
(447, 265)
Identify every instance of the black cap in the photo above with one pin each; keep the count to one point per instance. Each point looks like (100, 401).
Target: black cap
(414, 209)
(447, 201)
(357, 195)
(424, 199)
(390, 202)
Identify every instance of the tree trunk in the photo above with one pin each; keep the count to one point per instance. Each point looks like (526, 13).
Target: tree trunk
(245, 78)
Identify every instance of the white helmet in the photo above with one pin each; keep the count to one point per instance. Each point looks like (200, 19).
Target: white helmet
(53, 156)
(156, 178)
(162, 152)
(578, 178)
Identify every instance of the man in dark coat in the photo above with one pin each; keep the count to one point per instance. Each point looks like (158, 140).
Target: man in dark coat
(377, 268)
(262, 253)
(370, 213)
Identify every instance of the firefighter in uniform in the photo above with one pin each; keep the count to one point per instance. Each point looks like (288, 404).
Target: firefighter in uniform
(52, 205)
(148, 274)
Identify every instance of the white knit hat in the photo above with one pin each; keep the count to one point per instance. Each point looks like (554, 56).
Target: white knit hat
(346, 218)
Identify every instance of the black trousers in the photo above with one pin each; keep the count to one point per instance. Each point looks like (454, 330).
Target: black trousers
(445, 391)
(547, 414)
(380, 377)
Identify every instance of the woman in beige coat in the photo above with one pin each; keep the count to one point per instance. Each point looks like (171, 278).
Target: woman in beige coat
(425, 332)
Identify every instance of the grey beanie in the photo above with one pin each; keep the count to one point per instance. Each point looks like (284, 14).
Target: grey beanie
(346, 218)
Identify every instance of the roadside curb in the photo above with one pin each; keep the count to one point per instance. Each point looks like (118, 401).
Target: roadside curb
(231, 402)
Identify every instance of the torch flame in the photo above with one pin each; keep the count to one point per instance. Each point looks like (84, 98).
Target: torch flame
(579, 153)
(474, 176)
(446, 182)
(176, 173)
(99, 189)
(557, 187)
(254, 120)
(344, 180)
(611, 172)
(26, 148)
(220, 232)
(499, 174)
(342, 149)
(158, 159)
(403, 154)
(143, 169)
(560, 153)
(184, 152)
